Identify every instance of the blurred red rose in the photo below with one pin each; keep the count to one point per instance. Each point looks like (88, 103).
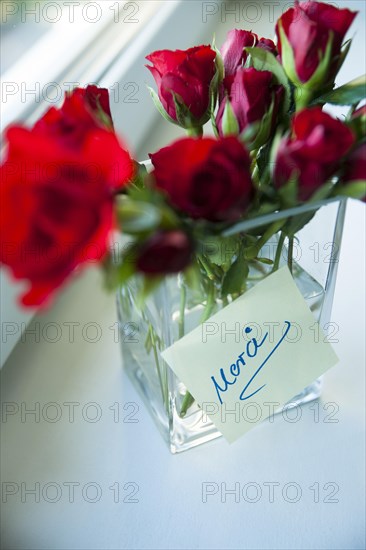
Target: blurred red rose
(83, 111)
(187, 74)
(314, 151)
(165, 252)
(205, 178)
(57, 204)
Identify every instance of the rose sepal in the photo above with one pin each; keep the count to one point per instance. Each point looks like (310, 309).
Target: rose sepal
(354, 190)
(159, 106)
(258, 134)
(230, 125)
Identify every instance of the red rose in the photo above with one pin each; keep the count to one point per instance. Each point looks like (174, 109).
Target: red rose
(356, 165)
(233, 51)
(57, 205)
(313, 152)
(268, 45)
(253, 99)
(83, 111)
(79, 120)
(187, 75)
(164, 253)
(309, 29)
(205, 178)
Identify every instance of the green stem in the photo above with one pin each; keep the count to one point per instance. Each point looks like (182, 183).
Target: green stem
(255, 177)
(188, 399)
(183, 299)
(156, 358)
(252, 252)
(277, 259)
(206, 266)
(302, 98)
(195, 131)
(290, 253)
(209, 304)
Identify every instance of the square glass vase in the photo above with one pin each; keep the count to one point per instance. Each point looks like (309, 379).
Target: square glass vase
(149, 329)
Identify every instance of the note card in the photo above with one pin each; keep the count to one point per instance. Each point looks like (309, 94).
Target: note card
(253, 356)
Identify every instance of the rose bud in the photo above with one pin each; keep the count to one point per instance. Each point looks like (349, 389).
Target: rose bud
(185, 81)
(59, 205)
(310, 37)
(313, 152)
(205, 178)
(251, 106)
(233, 50)
(164, 253)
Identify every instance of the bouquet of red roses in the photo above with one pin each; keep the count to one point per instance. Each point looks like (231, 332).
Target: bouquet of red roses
(72, 182)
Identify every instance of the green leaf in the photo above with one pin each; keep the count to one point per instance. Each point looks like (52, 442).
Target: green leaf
(220, 250)
(266, 61)
(265, 261)
(349, 94)
(297, 223)
(355, 190)
(139, 177)
(344, 52)
(235, 279)
(115, 274)
(136, 216)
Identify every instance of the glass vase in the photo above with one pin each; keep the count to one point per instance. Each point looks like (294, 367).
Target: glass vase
(146, 330)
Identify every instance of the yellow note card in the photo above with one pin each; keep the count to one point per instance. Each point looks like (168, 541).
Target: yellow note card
(253, 356)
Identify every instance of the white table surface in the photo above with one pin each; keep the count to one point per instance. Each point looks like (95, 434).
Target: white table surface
(170, 512)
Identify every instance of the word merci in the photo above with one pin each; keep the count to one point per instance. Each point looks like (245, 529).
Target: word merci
(235, 369)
